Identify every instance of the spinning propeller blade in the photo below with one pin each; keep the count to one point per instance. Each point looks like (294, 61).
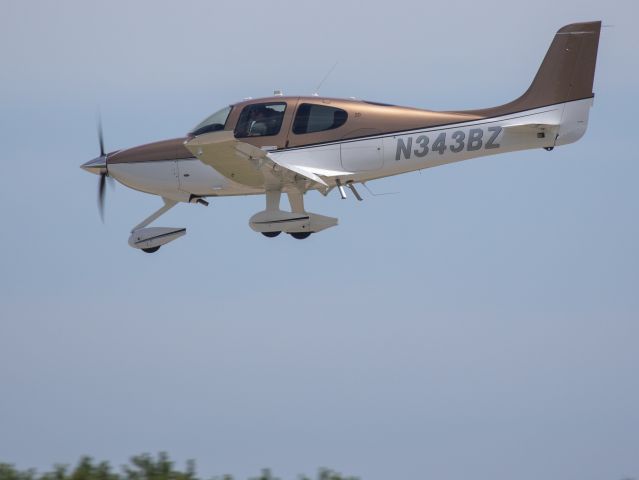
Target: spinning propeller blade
(99, 166)
(103, 174)
(101, 193)
(100, 136)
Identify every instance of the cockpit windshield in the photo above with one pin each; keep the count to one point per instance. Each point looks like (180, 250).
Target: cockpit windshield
(213, 123)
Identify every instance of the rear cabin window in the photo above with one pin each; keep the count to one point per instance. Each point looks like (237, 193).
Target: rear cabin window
(317, 118)
(260, 120)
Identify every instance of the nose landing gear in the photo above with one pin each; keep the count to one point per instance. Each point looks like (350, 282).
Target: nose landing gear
(149, 240)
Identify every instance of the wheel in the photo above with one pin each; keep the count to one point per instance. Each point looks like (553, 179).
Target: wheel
(151, 250)
(271, 234)
(301, 235)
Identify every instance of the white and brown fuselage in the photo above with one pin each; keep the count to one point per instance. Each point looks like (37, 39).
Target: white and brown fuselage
(318, 143)
(410, 140)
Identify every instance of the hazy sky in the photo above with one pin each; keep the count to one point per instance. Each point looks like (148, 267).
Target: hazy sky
(483, 323)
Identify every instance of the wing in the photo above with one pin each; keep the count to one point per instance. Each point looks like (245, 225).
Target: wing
(247, 164)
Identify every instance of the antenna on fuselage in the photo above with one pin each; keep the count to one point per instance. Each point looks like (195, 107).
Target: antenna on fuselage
(317, 89)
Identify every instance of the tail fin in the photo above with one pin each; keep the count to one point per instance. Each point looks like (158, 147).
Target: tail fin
(568, 70)
(566, 74)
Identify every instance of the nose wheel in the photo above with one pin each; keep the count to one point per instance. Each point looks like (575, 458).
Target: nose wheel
(150, 250)
(271, 234)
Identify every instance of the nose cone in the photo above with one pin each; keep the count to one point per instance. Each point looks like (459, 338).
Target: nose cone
(98, 165)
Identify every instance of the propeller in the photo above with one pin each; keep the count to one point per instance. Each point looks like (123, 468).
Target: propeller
(100, 136)
(99, 166)
(101, 194)
(103, 172)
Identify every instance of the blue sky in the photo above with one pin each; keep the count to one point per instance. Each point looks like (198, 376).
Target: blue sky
(483, 322)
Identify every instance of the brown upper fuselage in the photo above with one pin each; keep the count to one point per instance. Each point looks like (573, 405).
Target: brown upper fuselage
(566, 74)
(364, 119)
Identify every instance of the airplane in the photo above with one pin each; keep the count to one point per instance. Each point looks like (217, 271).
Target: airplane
(293, 144)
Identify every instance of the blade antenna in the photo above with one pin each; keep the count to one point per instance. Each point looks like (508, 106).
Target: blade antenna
(317, 89)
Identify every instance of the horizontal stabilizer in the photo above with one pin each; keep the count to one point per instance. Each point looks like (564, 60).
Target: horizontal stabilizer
(537, 130)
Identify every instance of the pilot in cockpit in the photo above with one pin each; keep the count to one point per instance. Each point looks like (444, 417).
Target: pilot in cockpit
(258, 122)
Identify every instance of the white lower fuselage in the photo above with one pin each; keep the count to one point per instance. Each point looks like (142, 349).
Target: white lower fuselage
(373, 157)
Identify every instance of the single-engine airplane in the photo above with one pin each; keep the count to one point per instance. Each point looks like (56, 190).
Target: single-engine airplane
(293, 144)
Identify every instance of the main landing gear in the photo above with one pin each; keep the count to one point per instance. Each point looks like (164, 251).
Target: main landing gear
(298, 222)
(298, 235)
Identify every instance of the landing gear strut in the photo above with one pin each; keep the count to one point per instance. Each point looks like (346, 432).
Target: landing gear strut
(149, 240)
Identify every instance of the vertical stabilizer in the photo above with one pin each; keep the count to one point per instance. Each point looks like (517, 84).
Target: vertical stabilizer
(566, 74)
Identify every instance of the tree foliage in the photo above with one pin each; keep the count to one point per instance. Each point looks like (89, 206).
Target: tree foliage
(140, 467)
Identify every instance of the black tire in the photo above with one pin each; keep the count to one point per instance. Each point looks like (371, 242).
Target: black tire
(271, 234)
(151, 250)
(301, 235)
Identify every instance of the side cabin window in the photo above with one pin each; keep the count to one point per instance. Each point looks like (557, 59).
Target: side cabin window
(260, 120)
(312, 118)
